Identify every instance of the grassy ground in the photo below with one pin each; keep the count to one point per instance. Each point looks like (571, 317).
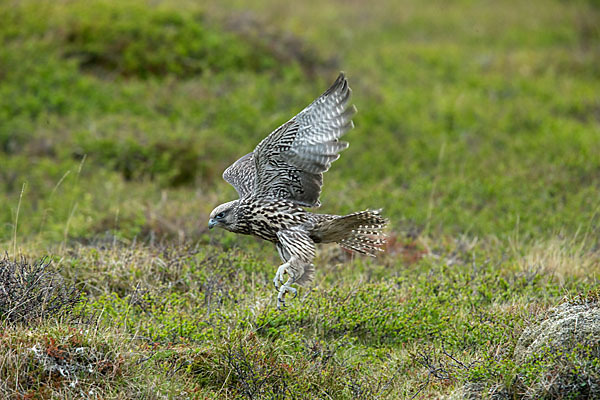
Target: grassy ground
(477, 132)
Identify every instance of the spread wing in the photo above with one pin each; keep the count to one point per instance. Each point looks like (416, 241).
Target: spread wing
(289, 163)
(241, 175)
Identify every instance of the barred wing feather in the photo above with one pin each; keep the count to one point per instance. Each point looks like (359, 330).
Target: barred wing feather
(241, 175)
(290, 161)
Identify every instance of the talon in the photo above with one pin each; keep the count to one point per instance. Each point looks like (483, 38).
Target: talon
(294, 291)
(283, 290)
(283, 287)
(281, 304)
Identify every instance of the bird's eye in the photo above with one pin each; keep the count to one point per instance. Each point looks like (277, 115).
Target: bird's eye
(220, 215)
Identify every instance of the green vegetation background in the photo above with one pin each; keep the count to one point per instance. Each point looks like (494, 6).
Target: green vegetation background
(478, 133)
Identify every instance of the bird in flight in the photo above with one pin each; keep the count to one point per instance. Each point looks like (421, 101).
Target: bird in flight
(283, 175)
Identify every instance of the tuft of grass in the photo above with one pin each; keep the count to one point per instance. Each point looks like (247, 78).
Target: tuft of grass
(33, 291)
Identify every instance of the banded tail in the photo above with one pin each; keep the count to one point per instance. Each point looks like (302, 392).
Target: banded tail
(360, 231)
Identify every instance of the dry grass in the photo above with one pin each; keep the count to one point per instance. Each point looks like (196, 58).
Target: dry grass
(562, 258)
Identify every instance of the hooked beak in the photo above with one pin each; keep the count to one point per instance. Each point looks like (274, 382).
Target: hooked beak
(211, 223)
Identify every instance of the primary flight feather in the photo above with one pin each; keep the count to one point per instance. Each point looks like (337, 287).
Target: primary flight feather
(285, 173)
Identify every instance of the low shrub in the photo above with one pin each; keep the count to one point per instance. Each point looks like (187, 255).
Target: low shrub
(30, 292)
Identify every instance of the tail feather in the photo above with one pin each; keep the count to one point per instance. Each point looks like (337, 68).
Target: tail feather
(361, 232)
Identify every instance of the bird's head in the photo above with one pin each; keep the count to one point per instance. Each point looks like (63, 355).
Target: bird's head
(224, 216)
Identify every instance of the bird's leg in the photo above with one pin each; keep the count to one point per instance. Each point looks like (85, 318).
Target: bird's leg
(279, 275)
(284, 289)
(292, 272)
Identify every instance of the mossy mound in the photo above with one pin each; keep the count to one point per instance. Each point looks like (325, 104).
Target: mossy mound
(134, 39)
(566, 327)
(560, 357)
